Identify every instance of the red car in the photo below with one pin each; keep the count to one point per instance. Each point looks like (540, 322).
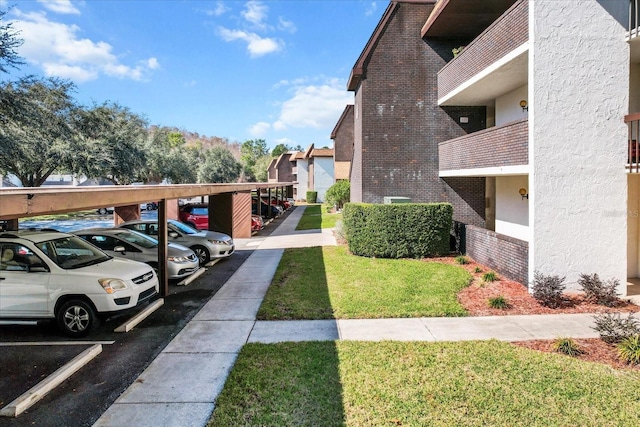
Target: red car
(195, 215)
(257, 223)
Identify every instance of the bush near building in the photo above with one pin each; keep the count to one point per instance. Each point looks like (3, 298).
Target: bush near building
(312, 196)
(406, 230)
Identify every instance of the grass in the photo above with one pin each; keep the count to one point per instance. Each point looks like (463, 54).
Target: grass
(475, 383)
(315, 216)
(328, 282)
(70, 215)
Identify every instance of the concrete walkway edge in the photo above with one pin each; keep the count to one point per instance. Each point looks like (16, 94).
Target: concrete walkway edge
(181, 385)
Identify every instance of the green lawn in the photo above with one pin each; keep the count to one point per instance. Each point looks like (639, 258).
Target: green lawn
(316, 216)
(328, 282)
(477, 383)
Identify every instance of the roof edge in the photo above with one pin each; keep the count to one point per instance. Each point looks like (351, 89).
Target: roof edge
(341, 119)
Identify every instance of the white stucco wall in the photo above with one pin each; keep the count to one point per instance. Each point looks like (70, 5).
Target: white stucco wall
(303, 178)
(512, 211)
(322, 176)
(508, 106)
(578, 96)
(633, 226)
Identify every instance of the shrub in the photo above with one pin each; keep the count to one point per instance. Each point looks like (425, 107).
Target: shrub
(400, 230)
(567, 346)
(338, 194)
(477, 270)
(613, 328)
(490, 276)
(499, 302)
(629, 349)
(312, 196)
(462, 260)
(548, 290)
(599, 292)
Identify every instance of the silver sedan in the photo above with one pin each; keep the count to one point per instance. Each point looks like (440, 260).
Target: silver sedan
(123, 243)
(208, 245)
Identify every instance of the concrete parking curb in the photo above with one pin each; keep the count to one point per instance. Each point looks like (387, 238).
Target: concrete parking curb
(40, 390)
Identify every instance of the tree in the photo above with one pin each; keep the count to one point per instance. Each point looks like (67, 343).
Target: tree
(218, 166)
(338, 194)
(260, 168)
(168, 158)
(251, 150)
(36, 136)
(113, 141)
(280, 149)
(9, 43)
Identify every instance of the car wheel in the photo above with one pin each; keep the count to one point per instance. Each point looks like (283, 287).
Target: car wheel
(149, 207)
(76, 318)
(102, 211)
(202, 253)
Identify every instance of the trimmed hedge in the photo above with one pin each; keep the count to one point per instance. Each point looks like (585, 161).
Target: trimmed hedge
(402, 230)
(312, 196)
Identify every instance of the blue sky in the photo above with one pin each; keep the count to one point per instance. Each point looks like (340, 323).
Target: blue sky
(275, 70)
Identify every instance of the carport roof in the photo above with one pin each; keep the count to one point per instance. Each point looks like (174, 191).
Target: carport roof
(23, 202)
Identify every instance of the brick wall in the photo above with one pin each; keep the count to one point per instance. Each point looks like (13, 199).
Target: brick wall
(502, 37)
(343, 141)
(285, 169)
(398, 123)
(506, 145)
(506, 255)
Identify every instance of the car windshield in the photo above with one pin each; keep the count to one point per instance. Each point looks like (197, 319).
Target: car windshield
(72, 252)
(183, 227)
(137, 238)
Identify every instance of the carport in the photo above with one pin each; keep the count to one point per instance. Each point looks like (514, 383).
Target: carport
(229, 205)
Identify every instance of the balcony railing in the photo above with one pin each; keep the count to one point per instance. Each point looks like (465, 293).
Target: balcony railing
(634, 18)
(633, 145)
(506, 34)
(489, 148)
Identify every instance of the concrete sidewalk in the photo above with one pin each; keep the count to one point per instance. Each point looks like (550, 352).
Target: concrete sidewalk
(181, 385)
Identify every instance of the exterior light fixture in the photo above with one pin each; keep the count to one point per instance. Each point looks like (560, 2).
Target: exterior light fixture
(523, 193)
(524, 105)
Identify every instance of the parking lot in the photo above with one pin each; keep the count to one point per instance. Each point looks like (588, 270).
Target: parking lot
(29, 353)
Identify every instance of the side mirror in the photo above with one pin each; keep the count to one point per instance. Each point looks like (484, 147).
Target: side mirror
(37, 268)
(173, 234)
(120, 249)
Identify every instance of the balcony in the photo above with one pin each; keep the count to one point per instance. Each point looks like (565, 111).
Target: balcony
(501, 150)
(633, 145)
(494, 63)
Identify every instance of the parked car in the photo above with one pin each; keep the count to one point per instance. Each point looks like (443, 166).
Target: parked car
(207, 245)
(265, 209)
(195, 215)
(121, 242)
(257, 223)
(149, 206)
(54, 275)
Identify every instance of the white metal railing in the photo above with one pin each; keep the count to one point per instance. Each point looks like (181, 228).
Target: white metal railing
(634, 22)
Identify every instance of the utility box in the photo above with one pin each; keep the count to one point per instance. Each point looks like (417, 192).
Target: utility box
(395, 199)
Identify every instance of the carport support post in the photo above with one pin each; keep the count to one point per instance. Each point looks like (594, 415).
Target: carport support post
(162, 248)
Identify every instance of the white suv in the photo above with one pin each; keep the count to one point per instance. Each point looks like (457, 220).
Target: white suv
(54, 275)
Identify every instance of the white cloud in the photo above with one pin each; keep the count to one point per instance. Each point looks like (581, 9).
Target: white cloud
(153, 64)
(220, 10)
(285, 25)
(256, 13)
(371, 9)
(259, 129)
(60, 6)
(57, 49)
(256, 45)
(314, 106)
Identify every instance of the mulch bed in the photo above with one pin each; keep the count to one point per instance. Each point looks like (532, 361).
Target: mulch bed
(474, 299)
